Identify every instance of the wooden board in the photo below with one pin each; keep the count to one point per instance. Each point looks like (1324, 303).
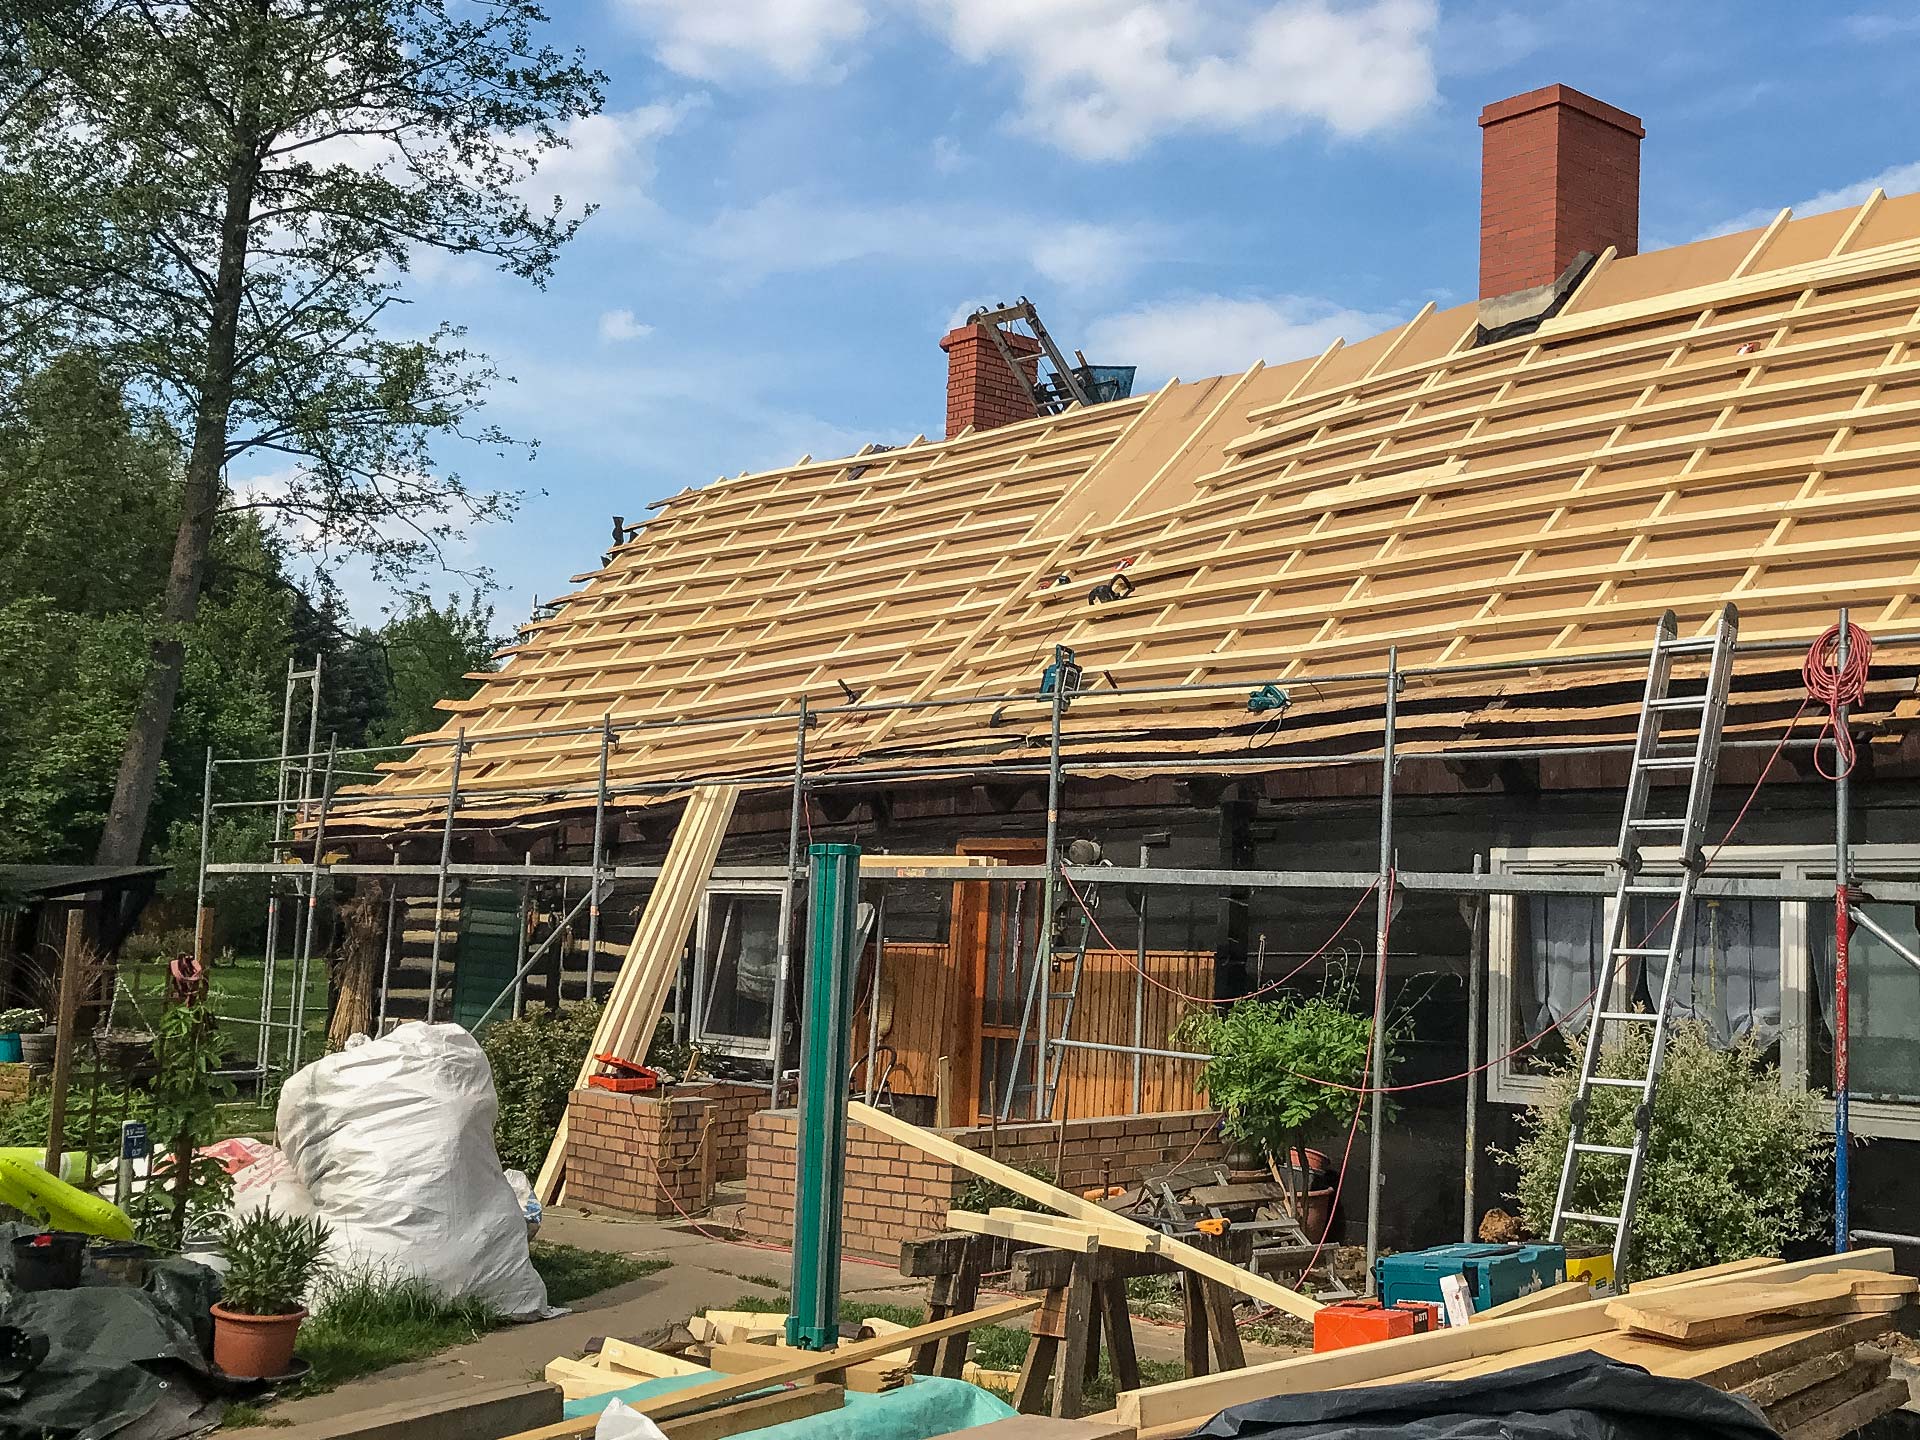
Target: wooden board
(1568, 1292)
(1707, 1272)
(1849, 1416)
(804, 1367)
(1738, 1308)
(1770, 1389)
(870, 1377)
(756, 1413)
(1868, 1368)
(1083, 1240)
(1086, 1211)
(642, 1361)
(633, 1007)
(1181, 1401)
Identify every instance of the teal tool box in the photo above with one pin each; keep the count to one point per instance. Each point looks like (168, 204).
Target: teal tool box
(1495, 1273)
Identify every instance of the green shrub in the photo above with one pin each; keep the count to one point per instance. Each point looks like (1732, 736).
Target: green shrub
(980, 1196)
(1279, 1064)
(1736, 1166)
(535, 1061)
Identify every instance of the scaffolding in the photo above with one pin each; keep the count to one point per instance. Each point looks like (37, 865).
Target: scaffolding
(300, 809)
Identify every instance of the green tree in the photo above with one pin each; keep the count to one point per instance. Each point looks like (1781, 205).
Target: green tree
(222, 198)
(430, 651)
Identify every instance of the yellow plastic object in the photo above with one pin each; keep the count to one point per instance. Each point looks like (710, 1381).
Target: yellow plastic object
(58, 1205)
(73, 1164)
(1596, 1270)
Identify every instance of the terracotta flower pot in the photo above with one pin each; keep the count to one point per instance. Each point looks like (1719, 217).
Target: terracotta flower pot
(254, 1347)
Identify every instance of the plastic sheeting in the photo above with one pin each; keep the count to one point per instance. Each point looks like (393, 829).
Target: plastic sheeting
(1570, 1397)
(392, 1140)
(125, 1362)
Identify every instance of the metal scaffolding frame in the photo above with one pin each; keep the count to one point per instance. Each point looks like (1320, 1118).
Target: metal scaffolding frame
(299, 806)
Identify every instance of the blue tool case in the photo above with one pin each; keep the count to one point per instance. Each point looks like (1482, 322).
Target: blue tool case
(1495, 1273)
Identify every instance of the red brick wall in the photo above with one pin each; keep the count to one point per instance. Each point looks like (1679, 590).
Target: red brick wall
(641, 1154)
(1560, 173)
(982, 390)
(895, 1192)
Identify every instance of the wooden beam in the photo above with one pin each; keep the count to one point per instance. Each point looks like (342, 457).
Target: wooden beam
(756, 1414)
(1032, 1232)
(1021, 1183)
(1570, 1292)
(1183, 1400)
(804, 1367)
(642, 1361)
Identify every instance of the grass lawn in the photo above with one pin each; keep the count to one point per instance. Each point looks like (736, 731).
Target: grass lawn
(235, 988)
(369, 1324)
(995, 1347)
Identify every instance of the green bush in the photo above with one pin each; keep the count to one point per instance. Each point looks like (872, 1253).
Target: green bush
(1736, 1166)
(535, 1060)
(980, 1196)
(1279, 1065)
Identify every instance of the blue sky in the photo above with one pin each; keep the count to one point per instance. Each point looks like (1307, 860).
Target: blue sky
(798, 197)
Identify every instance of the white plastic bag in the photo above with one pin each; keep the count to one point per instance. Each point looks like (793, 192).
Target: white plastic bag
(393, 1140)
(620, 1421)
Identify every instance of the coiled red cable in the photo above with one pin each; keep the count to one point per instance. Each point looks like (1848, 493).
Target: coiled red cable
(1834, 685)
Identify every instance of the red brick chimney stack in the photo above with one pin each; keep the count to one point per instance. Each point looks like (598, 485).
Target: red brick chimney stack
(982, 391)
(1559, 174)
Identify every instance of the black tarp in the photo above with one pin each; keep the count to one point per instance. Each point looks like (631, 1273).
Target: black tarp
(1571, 1397)
(122, 1362)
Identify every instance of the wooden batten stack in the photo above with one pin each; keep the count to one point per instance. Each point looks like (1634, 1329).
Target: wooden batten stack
(646, 975)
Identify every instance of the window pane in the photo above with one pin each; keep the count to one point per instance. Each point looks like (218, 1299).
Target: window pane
(1883, 1006)
(1559, 943)
(743, 943)
(1729, 975)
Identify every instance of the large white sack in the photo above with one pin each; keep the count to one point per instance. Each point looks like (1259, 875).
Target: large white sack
(393, 1139)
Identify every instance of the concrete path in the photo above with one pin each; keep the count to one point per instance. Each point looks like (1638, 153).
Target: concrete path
(705, 1274)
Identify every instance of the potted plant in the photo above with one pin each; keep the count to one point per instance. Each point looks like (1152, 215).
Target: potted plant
(272, 1261)
(13, 1024)
(1284, 1071)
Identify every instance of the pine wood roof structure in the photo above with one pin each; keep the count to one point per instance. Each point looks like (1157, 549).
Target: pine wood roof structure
(1734, 419)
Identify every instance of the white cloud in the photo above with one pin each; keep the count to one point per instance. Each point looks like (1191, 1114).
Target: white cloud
(790, 233)
(1101, 79)
(949, 155)
(618, 325)
(1201, 335)
(1895, 180)
(717, 39)
(610, 159)
(1871, 27)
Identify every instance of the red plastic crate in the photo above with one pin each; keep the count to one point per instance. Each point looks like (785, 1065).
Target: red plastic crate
(1361, 1322)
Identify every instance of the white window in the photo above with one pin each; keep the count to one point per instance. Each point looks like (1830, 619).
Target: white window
(1752, 968)
(735, 959)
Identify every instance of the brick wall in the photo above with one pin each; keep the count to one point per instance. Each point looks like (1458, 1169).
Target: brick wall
(1559, 174)
(982, 390)
(647, 1155)
(895, 1192)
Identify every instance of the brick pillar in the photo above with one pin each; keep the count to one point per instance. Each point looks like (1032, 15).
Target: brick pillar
(981, 390)
(1559, 174)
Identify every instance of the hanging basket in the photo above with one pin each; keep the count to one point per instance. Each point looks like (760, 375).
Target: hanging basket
(125, 1050)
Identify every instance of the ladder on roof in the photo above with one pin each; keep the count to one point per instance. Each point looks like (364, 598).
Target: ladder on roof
(1049, 395)
(1656, 751)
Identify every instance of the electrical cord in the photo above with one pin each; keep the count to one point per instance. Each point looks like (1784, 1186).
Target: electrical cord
(1833, 685)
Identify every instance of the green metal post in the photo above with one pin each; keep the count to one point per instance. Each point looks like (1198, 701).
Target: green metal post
(833, 898)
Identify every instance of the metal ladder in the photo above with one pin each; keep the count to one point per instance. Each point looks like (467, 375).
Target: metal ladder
(1653, 753)
(1044, 1088)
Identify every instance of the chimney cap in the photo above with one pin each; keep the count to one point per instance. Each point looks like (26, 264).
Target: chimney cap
(1546, 95)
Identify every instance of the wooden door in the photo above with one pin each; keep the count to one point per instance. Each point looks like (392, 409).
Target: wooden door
(995, 933)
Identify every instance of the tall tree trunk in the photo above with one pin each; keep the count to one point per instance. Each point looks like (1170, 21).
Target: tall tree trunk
(126, 827)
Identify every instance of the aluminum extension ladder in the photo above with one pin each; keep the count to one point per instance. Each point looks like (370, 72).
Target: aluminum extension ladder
(1073, 957)
(1654, 752)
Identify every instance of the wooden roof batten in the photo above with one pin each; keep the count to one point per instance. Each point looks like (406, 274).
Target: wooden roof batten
(1750, 431)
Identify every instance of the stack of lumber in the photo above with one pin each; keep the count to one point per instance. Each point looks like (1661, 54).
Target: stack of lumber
(1794, 1338)
(646, 975)
(753, 1385)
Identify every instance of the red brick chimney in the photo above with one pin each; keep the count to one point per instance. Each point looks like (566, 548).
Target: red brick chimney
(1559, 174)
(982, 391)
